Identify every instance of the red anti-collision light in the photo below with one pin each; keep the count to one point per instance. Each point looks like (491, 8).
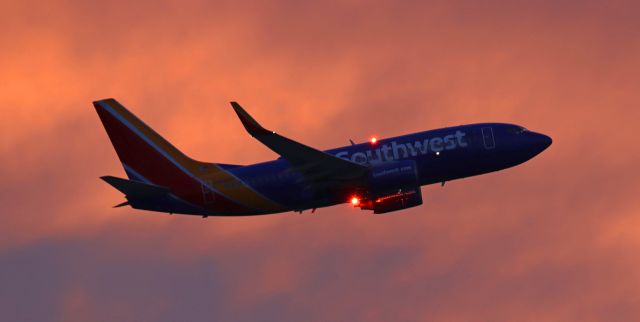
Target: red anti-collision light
(355, 201)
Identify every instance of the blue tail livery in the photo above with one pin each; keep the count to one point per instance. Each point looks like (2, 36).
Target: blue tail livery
(382, 175)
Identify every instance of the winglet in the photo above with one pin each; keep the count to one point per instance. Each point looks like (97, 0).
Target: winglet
(252, 126)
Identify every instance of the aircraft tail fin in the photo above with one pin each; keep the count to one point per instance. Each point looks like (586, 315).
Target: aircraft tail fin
(150, 160)
(145, 155)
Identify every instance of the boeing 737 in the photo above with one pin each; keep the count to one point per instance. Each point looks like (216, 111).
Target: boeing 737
(381, 175)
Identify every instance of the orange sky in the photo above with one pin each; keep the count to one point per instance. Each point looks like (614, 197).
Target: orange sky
(555, 239)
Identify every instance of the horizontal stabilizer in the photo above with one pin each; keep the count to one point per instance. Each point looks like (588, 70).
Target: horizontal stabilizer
(122, 204)
(135, 189)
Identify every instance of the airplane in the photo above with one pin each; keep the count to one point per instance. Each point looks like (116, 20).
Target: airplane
(381, 175)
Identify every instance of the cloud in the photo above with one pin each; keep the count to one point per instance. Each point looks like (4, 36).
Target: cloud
(548, 240)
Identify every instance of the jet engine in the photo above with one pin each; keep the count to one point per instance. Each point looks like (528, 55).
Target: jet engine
(392, 186)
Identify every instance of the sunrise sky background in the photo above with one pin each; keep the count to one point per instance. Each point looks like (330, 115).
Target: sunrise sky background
(555, 239)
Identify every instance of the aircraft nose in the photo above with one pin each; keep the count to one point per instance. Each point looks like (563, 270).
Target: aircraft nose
(546, 141)
(542, 141)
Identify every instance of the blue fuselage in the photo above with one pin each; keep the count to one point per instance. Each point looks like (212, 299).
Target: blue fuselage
(440, 155)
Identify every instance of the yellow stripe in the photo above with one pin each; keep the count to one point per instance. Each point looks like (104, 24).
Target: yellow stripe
(230, 186)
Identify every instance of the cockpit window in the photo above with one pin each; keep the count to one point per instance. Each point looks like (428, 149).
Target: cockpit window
(517, 130)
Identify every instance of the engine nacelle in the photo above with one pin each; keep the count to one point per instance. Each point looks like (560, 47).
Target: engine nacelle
(392, 186)
(398, 201)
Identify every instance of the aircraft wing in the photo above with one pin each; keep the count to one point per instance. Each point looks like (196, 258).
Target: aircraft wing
(314, 163)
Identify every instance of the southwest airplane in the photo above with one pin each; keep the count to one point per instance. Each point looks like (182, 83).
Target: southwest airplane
(382, 175)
